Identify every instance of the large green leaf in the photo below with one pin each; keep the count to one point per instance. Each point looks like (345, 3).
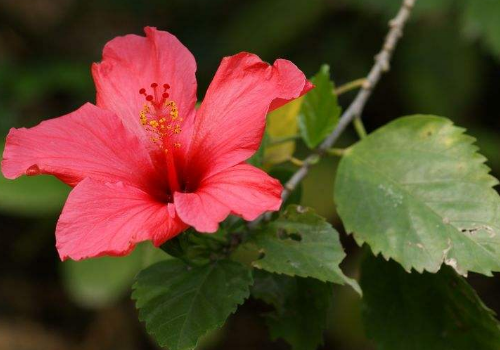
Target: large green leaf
(320, 111)
(417, 191)
(424, 311)
(301, 307)
(180, 303)
(301, 243)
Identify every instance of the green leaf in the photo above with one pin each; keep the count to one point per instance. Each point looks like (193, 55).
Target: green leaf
(100, 282)
(424, 311)
(417, 191)
(302, 307)
(482, 21)
(180, 304)
(196, 248)
(320, 111)
(281, 124)
(301, 243)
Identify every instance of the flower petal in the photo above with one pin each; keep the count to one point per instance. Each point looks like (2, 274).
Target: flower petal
(243, 190)
(230, 122)
(133, 62)
(110, 219)
(89, 142)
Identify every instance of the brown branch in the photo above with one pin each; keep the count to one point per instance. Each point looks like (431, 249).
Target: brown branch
(356, 107)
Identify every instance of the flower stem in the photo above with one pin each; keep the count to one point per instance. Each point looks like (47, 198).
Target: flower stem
(296, 161)
(350, 86)
(338, 152)
(360, 127)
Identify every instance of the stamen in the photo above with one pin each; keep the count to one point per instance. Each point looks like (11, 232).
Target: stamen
(160, 116)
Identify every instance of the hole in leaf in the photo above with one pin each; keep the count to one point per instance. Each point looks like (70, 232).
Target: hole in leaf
(295, 237)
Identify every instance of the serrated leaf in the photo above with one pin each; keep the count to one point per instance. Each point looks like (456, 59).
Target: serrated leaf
(301, 243)
(282, 123)
(424, 311)
(100, 282)
(320, 111)
(180, 304)
(417, 191)
(302, 306)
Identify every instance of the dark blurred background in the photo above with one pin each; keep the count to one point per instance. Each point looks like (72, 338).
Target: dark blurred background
(447, 64)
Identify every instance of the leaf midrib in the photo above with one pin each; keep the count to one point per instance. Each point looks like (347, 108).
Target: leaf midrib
(183, 327)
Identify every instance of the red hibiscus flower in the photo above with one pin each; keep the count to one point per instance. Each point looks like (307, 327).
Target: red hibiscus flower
(144, 163)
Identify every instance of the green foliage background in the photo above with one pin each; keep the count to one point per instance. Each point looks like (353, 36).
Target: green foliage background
(447, 64)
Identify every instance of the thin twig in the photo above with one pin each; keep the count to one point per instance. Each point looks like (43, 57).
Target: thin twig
(355, 109)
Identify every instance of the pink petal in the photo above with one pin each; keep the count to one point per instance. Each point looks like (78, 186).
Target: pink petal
(133, 62)
(110, 219)
(230, 122)
(242, 190)
(89, 142)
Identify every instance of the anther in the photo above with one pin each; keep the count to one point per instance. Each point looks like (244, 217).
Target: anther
(165, 95)
(149, 98)
(142, 91)
(166, 86)
(154, 85)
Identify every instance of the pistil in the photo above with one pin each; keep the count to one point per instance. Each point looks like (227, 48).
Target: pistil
(160, 117)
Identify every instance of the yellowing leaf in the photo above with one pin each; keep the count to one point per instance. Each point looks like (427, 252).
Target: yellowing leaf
(282, 123)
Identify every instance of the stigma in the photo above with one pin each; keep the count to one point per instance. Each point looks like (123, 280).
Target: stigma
(160, 116)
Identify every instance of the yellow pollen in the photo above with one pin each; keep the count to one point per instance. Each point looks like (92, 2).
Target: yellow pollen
(160, 118)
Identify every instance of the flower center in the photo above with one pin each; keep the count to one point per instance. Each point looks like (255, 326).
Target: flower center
(160, 116)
